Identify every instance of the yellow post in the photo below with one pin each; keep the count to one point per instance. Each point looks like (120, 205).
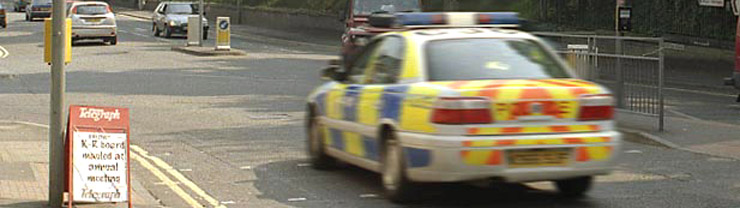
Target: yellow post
(47, 41)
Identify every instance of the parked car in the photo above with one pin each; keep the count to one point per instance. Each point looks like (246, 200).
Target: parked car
(38, 9)
(3, 17)
(20, 5)
(172, 18)
(93, 20)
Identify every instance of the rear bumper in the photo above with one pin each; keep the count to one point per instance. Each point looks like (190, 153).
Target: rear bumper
(432, 158)
(93, 32)
(183, 29)
(734, 80)
(40, 14)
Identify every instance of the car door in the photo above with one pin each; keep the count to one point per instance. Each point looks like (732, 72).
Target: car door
(159, 15)
(342, 107)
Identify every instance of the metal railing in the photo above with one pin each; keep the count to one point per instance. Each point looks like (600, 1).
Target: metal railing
(631, 67)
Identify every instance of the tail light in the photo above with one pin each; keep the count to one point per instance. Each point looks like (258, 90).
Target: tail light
(2, 11)
(596, 107)
(462, 110)
(107, 7)
(35, 9)
(74, 10)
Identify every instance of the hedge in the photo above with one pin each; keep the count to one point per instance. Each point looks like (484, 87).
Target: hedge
(650, 17)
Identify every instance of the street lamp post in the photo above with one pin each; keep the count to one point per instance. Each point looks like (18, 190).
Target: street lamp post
(56, 110)
(200, 23)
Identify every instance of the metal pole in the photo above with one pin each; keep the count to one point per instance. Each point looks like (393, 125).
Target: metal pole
(661, 75)
(56, 111)
(239, 11)
(621, 100)
(200, 23)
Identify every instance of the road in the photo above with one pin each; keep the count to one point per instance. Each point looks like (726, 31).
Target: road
(232, 127)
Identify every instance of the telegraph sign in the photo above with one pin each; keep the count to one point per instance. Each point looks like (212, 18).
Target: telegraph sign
(98, 169)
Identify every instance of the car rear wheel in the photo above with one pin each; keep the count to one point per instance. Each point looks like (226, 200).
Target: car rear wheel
(398, 188)
(574, 187)
(319, 159)
(27, 18)
(113, 40)
(205, 34)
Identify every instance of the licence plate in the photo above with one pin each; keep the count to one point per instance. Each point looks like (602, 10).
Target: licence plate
(93, 20)
(529, 158)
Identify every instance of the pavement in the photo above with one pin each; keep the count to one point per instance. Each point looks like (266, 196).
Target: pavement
(24, 173)
(688, 134)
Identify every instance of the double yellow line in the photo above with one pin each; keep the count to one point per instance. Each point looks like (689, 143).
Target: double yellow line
(143, 157)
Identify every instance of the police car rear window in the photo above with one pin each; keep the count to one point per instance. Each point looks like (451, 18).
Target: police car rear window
(489, 58)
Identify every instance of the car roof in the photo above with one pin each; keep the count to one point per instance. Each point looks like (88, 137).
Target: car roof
(88, 3)
(425, 35)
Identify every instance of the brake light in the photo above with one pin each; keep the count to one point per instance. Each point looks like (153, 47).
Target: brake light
(74, 10)
(462, 110)
(107, 7)
(596, 107)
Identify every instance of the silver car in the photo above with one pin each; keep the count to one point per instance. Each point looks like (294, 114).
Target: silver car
(93, 20)
(38, 9)
(172, 18)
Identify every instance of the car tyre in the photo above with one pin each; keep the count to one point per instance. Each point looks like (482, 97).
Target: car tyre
(27, 18)
(574, 187)
(113, 40)
(156, 30)
(205, 35)
(398, 188)
(316, 149)
(167, 32)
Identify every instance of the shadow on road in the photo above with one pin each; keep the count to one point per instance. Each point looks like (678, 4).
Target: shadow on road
(284, 180)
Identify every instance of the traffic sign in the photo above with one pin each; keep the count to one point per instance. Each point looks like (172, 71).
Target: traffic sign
(98, 169)
(47, 41)
(223, 33)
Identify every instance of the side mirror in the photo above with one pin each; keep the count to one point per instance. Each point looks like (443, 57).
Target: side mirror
(332, 73)
(382, 20)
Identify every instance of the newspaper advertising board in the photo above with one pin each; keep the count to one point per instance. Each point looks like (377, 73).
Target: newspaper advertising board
(98, 155)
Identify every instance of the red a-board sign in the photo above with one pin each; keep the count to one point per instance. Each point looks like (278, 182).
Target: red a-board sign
(98, 169)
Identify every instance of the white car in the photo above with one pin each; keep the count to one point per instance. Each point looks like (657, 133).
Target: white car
(93, 20)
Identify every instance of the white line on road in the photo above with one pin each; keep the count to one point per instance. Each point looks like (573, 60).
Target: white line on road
(3, 53)
(167, 181)
(178, 176)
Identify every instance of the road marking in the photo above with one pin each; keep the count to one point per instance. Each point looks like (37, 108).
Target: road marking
(3, 53)
(172, 171)
(167, 181)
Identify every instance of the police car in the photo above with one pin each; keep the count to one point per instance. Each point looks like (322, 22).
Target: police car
(457, 98)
